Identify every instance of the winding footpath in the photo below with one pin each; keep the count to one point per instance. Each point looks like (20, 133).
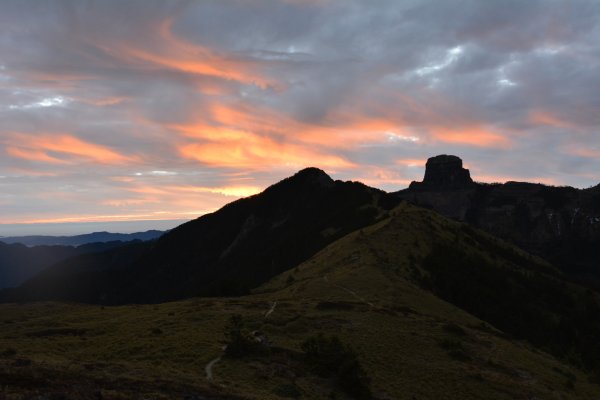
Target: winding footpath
(209, 367)
(271, 309)
(350, 291)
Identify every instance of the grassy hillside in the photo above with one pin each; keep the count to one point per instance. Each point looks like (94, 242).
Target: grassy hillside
(374, 289)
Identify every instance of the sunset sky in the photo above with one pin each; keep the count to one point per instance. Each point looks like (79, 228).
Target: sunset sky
(165, 110)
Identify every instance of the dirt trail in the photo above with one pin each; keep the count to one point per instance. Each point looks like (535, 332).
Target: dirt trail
(350, 291)
(209, 367)
(271, 309)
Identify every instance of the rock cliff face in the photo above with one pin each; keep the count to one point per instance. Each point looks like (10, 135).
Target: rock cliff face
(444, 172)
(561, 224)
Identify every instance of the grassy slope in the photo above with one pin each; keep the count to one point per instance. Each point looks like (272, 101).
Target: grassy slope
(412, 344)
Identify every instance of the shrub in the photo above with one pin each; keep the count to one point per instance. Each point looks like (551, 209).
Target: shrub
(239, 343)
(454, 329)
(329, 357)
(287, 390)
(9, 352)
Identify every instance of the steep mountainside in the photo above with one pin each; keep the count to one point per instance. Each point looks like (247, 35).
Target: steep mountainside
(486, 322)
(19, 263)
(561, 224)
(230, 251)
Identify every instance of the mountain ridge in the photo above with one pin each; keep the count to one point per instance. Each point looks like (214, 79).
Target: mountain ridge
(561, 224)
(78, 240)
(378, 289)
(229, 251)
(204, 256)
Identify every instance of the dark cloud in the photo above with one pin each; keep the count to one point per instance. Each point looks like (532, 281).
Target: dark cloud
(216, 99)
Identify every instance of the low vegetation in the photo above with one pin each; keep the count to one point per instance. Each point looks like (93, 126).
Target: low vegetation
(368, 316)
(238, 341)
(525, 303)
(329, 357)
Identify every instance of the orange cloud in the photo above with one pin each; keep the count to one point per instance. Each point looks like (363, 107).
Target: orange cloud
(174, 53)
(337, 130)
(128, 202)
(30, 172)
(230, 191)
(103, 218)
(412, 162)
(61, 149)
(33, 155)
(233, 190)
(104, 102)
(123, 179)
(584, 152)
(503, 178)
(472, 136)
(259, 152)
(540, 117)
(380, 177)
(203, 63)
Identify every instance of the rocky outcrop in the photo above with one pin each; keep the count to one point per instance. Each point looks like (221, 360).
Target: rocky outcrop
(444, 172)
(561, 224)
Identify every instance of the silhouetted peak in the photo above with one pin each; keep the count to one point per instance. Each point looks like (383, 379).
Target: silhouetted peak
(312, 175)
(444, 172)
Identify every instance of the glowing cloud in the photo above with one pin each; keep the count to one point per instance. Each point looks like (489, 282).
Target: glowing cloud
(178, 109)
(62, 149)
(174, 53)
(471, 136)
(256, 152)
(539, 117)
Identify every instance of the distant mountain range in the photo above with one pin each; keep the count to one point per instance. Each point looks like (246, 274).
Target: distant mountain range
(251, 240)
(78, 240)
(432, 308)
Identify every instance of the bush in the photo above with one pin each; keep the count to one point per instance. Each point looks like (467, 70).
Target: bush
(239, 343)
(287, 390)
(329, 357)
(9, 352)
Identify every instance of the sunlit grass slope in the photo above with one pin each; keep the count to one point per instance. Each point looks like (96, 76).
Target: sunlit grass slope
(366, 288)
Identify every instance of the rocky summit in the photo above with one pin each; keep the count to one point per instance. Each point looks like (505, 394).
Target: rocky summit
(561, 224)
(444, 172)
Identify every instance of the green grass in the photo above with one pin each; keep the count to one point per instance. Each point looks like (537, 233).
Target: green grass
(411, 343)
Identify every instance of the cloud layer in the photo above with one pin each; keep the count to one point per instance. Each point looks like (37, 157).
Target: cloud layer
(169, 109)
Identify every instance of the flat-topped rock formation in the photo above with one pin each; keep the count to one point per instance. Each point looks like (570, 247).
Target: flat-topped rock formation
(444, 172)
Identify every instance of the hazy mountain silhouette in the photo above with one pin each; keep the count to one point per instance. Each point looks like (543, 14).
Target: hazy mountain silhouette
(78, 240)
(19, 262)
(78, 278)
(561, 224)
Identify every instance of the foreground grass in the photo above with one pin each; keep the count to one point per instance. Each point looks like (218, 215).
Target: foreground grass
(412, 344)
